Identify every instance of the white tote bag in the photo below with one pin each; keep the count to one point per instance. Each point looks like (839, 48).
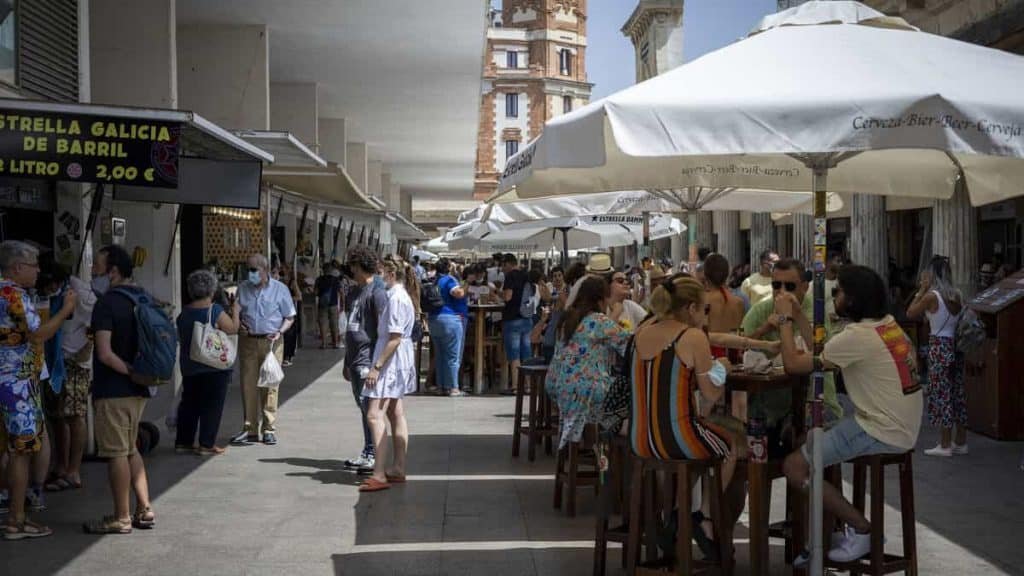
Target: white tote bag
(210, 346)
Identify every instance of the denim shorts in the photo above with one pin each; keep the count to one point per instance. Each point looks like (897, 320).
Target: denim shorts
(516, 334)
(847, 440)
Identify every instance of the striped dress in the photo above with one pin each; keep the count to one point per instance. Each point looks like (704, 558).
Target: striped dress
(665, 423)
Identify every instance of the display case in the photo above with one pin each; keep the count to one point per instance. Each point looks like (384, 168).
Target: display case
(994, 374)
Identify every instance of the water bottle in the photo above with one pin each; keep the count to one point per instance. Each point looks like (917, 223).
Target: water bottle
(757, 441)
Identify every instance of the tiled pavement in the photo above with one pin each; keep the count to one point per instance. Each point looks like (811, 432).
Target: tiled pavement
(468, 508)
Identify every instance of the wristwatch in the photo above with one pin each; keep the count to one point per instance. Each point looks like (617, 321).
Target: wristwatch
(377, 367)
(782, 319)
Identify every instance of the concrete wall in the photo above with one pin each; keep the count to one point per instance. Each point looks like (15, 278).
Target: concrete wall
(356, 163)
(223, 74)
(293, 108)
(374, 172)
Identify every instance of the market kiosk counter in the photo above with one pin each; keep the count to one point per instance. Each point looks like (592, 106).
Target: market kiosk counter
(994, 374)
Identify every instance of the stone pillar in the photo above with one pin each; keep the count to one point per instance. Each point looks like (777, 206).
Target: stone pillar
(955, 234)
(678, 249)
(783, 240)
(333, 142)
(869, 234)
(803, 238)
(730, 243)
(762, 235)
(356, 155)
(223, 74)
(294, 108)
(374, 171)
(706, 230)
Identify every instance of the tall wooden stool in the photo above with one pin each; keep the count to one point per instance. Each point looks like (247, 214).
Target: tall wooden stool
(614, 499)
(644, 513)
(576, 466)
(878, 562)
(539, 418)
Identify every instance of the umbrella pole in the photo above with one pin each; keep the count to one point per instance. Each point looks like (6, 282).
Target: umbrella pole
(818, 376)
(691, 226)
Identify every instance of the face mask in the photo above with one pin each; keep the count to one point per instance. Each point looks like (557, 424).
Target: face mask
(717, 374)
(100, 284)
(255, 278)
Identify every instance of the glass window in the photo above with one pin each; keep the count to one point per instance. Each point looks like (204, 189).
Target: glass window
(565, 62)
(8, 42)
(511, 147)
(512, 59)
(512, 105)
(566, 104)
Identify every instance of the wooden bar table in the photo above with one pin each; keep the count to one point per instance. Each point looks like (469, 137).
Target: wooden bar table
(480, 320)
(757, 472)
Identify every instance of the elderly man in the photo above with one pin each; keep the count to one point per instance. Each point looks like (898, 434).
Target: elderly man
(22, 334)
(267, 312)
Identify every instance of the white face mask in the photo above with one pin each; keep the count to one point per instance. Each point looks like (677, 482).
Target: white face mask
(254, 278)
(100, 284)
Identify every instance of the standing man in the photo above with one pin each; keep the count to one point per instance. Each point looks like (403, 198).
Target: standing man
(267, 313)
(365, 303)
(420, 272)
(758, 286)
(22, 334)
(118, 401)
(515, 327)
(328, 306)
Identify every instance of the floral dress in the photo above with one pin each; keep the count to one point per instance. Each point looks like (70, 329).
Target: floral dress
(581, 373)
(21, 363)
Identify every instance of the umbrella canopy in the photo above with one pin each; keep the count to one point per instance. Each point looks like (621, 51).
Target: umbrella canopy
(571, 232)
(509, 208)
(424, 255)
(910, 110)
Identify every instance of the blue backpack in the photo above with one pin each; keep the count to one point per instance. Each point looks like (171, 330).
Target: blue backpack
(153, 364)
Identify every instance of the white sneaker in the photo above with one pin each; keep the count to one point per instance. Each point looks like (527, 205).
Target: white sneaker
(804, 558)
(940, 451)
(853, 547)
(960, 449)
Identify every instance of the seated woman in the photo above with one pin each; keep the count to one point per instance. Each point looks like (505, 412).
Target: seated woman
(581, 372)
(672, 351)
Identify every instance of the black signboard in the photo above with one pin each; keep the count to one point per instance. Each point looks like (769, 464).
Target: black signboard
(83, 148)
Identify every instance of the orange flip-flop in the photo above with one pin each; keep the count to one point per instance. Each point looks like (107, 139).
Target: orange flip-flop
(395, 479)
(373, 485)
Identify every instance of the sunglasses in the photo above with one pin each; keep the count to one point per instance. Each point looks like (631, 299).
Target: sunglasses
(790, 286)
(253, 269)
(620, 280)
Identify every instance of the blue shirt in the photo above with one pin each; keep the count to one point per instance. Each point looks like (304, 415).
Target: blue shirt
(186, 319)
(452, 305)
(265, 309)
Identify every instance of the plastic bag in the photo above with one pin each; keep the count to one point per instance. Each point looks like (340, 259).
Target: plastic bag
(271, 373)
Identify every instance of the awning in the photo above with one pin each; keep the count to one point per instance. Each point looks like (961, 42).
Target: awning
(404, 229)
(331, 185)
(147, 154)
(286, 148)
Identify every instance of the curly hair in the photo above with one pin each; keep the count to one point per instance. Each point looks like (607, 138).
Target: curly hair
(363, 256)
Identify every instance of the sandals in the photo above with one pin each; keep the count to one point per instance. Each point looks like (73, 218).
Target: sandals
(107, 525)
(396, 478)
(26, 529)
(59, 484)
(373, 485)
(144, 518)
(211, 451)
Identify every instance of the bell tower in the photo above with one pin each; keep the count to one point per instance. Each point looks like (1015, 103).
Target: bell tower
(656, 30)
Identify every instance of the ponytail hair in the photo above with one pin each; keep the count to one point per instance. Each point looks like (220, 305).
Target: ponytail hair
(674, 294)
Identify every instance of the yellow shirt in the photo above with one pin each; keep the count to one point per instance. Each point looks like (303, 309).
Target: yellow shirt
(757, 288)
(880, 371)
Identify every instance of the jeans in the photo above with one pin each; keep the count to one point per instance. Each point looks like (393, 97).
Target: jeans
(846, 441)
(201, 406)
(448, 332)
(516, 334)
(363, 402)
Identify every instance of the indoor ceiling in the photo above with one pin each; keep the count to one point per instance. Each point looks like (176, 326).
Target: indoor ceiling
(405, 75)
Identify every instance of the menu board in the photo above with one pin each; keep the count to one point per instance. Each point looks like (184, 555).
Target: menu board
(997, 297)
(83, 148)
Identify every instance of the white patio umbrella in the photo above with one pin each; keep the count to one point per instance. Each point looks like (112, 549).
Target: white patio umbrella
(827, 95)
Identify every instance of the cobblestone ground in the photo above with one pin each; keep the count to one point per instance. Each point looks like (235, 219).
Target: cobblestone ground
(469, 508)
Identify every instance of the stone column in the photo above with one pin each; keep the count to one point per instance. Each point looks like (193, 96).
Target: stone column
(783, 240)
(762, 235)
(955, 234)
(705, 230)
(869, 235)
(803, 238)
(678, 251)
(730, 243)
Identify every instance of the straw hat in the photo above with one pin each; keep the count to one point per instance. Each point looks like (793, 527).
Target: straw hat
(599, 263)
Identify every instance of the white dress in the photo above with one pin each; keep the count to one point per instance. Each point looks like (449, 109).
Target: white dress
(398, 375)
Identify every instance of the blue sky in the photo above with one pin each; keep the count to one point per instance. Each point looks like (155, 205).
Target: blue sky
(707, 26)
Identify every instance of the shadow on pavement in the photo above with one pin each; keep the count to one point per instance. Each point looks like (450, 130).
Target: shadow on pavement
(66, 511)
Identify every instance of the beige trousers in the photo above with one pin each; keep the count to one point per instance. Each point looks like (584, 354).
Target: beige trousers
(258, 402)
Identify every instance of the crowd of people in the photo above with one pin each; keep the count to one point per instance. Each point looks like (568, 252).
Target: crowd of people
(615, 340)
